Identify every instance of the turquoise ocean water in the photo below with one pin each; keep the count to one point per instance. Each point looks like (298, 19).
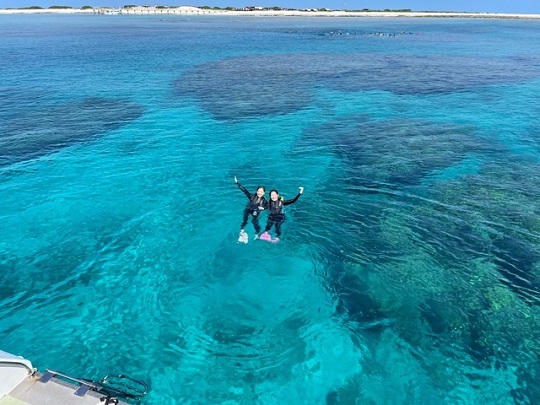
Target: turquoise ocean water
(408, 271)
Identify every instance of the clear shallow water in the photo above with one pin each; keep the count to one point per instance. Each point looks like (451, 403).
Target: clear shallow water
(409, 271)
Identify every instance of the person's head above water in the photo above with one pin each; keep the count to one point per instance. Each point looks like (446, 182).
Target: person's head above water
(274, 195)
(260, 191)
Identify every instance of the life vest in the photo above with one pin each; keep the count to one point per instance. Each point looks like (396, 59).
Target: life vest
(255, 202)
(276, 207)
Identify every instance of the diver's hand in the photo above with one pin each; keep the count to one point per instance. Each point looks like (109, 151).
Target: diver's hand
(261, 208)
(235, 180)
(301, 189)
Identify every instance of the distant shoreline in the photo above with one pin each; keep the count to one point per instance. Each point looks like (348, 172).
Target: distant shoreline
(186, 10)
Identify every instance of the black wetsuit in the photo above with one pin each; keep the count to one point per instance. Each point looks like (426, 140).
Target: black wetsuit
(276, 215)
(252, 208)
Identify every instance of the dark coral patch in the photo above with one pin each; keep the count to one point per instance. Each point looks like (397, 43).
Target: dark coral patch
(395, 152)
(261, 85)
(240, 88)
(47, 130)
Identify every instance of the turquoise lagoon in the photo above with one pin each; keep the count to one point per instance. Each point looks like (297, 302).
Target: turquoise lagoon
(408, 271)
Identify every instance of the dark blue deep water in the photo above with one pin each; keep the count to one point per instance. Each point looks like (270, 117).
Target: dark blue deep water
(408, 271)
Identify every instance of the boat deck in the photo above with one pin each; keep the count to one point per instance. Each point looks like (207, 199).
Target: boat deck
(33, 392)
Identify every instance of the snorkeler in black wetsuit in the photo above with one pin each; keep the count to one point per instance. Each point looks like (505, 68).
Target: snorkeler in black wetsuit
(256, 204)
(276, 215)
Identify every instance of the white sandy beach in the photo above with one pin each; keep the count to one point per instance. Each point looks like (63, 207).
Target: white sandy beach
(187, 10)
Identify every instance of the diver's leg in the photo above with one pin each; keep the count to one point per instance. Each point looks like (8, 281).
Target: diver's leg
(255, 221)
(269, 225)
(245, 219)
(278, 228)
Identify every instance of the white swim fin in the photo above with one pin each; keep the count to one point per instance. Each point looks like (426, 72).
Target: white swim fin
(243, 237)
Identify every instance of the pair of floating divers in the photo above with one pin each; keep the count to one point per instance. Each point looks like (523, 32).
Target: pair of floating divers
(258, 203)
